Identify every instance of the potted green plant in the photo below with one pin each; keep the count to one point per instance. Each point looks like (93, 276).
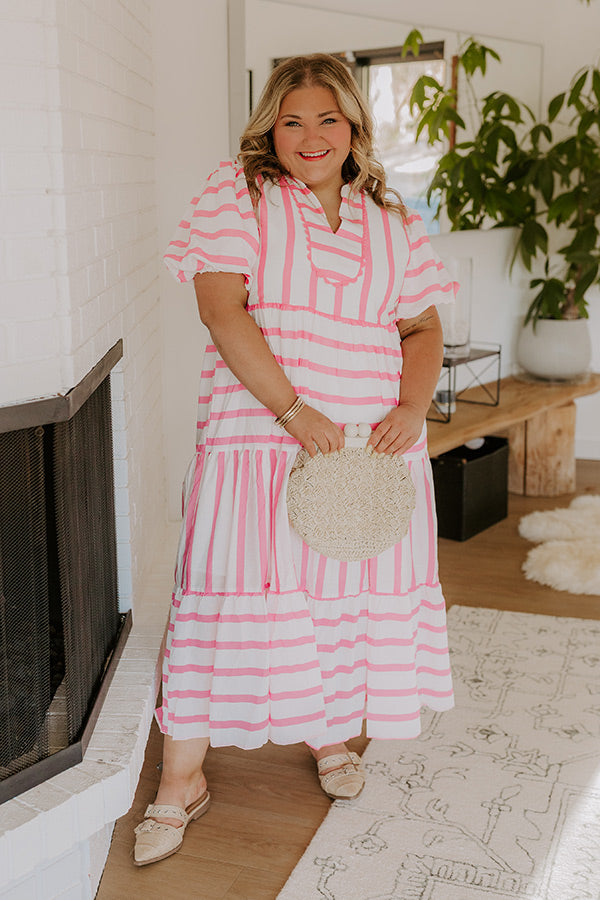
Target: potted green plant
(512, 171)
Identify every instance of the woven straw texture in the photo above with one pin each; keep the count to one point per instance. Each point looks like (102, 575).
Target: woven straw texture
(350, 505)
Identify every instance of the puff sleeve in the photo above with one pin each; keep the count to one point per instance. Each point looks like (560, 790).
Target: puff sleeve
(426, 281)
(219, 231)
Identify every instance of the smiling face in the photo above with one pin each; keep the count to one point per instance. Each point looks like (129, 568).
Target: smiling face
(312, 137)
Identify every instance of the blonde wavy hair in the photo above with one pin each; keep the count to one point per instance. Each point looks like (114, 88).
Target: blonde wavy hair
(361, 170)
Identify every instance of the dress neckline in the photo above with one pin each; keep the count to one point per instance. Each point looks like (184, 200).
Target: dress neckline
(336, 256)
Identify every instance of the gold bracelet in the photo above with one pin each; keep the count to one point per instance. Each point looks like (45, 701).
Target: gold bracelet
(287, 416)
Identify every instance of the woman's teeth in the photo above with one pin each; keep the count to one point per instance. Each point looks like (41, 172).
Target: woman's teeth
(316, 155)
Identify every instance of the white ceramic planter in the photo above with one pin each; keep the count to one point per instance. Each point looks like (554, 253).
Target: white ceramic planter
(558, 350)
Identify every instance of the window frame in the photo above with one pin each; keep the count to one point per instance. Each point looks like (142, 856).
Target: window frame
(358, 61)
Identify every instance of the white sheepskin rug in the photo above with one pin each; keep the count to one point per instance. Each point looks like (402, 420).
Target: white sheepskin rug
(568, 555)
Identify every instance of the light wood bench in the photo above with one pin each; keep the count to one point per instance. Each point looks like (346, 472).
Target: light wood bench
(539, 421)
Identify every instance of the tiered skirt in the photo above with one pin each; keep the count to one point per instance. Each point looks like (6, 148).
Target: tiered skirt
(269, 640)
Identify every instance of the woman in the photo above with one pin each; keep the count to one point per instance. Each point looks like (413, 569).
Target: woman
(318, 291)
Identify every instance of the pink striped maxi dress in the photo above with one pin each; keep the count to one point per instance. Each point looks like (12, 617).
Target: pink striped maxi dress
(267, 639)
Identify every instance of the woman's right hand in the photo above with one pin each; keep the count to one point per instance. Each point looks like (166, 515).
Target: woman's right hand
(315, 431)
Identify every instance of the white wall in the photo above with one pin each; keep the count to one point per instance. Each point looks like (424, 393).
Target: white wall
(567, 29)
(191, 102)
(30, 208)
(321, 30)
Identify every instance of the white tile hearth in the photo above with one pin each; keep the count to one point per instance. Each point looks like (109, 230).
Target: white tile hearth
(54, 838)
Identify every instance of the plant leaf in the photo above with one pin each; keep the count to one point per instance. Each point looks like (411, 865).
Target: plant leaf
(453, 116)
(474, 56)
(498, 102)
(545, 181)
(426, 121)
(534, 237)
(555, 106)
(577, 89)
(596, 84)
(585, 282)
(538, 130)
(412, 43)
(562, 208)
(551, 299)
(583, 242)
(589, 118)
(417, 97)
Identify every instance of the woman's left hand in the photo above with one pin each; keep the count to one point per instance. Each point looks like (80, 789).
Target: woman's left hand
(399, 430)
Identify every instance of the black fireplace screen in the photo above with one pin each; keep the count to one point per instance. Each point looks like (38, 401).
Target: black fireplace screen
(25, 674)
(59, 617)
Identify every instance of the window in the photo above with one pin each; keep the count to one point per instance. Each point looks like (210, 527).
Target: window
(387, 79)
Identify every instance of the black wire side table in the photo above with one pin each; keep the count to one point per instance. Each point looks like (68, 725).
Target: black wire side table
(481, 361)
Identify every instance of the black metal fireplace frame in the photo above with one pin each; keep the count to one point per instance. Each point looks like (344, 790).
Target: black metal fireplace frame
(49, 411)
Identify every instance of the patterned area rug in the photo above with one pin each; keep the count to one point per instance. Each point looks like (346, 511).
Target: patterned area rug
(499, 798)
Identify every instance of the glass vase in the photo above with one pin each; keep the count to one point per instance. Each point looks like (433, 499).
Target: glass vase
(456, 317)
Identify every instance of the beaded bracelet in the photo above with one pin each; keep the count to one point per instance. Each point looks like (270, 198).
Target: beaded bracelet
(294, 409)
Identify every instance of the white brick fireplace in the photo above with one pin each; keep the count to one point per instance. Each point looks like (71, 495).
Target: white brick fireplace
(78, 271)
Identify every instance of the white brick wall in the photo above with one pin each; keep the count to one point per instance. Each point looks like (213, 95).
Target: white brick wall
(78, 261)
(78, 271)
(30, 348)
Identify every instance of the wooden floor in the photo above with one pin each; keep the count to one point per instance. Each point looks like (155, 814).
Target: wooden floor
(267, 803)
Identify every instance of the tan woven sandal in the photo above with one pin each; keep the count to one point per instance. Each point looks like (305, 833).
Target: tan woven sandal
(346, 780)
(157, 840)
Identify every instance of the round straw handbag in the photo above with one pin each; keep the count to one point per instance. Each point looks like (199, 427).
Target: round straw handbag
(350, 504)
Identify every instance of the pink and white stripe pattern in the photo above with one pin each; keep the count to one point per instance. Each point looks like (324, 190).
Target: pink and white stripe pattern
(267, 639)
